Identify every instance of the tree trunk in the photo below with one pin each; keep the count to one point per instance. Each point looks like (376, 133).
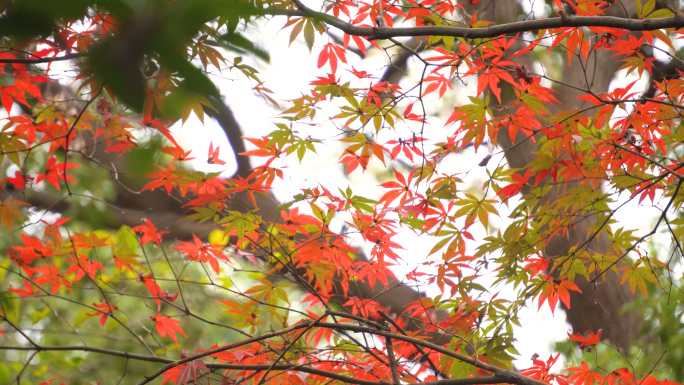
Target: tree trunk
(598, 306)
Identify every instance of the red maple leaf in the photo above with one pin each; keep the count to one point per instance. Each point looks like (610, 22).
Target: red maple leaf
(583, 375)
(514, 188)
(294, 221)
(408, 146)
(30, 291)
(159, 126)
(51, 274)
(492, 73)
(436, 81)
(104, 310)
(401, 188)
(54, 172)
(148, 233)
(167, 325)
(325, 81)
(556, 289)
(330, 54)
(536, 264)
(352, 160)
(177, 152)
(214, 155)
(241, 184)
(19, 180)
(24, 128)
(82, 266)
(33, 249)
(366, 308)
(164, 178)
(198, 251)
(181, 374)
(540, 370)
(587, 342)
(151, 285)
(360, 74)
(263, 148)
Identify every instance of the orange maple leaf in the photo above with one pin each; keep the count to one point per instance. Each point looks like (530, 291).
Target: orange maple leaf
(555, 289)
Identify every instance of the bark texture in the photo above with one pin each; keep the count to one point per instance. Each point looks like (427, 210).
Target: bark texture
(599, 306)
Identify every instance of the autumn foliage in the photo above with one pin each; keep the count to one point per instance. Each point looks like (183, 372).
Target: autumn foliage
(292, 292)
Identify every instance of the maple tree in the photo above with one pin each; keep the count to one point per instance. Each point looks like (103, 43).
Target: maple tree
(197, 277)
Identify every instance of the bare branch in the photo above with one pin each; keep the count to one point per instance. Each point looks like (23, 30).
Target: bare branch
(39, 60)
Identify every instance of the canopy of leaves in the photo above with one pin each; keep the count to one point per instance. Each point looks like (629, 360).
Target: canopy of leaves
(125, 263)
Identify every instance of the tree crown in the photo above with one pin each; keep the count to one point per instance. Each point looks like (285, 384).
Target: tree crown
(196, 277)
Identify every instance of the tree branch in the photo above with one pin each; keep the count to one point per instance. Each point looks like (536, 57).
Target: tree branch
(258, 367)
(39, 60)
(381, 33)
(501, 375)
